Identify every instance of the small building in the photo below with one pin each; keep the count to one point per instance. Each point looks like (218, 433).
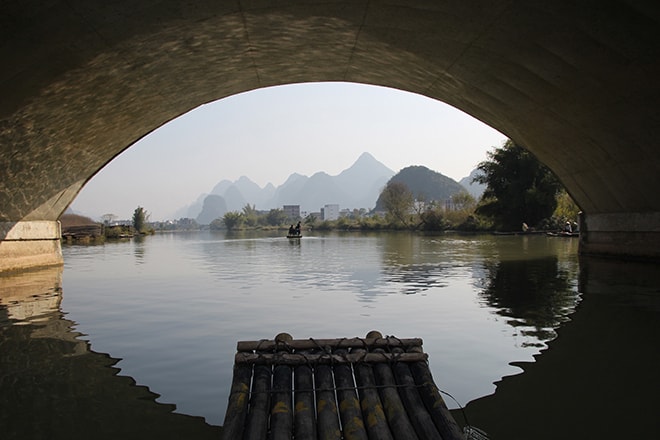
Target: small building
(330, 212)
(316, 215)
(292, 211)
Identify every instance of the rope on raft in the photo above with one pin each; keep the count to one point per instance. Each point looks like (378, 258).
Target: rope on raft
(352, 388)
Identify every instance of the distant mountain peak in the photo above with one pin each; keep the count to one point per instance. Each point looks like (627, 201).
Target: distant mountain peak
(356, 187)
(294, 177)
(365, 156)
(366, 162)
(366, 159)
(425, 182)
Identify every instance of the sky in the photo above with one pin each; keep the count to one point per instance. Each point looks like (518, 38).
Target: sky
(271, 133)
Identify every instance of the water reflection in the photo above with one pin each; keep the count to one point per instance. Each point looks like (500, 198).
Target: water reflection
(418, 264)
(175, 318)
(408, 263)
(599, 377)
(536, 294)
(29, 297)
(52, 385)
(139, 248)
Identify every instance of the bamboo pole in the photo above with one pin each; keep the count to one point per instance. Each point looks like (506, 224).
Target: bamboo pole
(304, 416)
(372, 408)
(313, 344)
(444, 421)
(412, 401)
(281, 414)
(397, 416)
(325, 358)
(349, 405)
(236, 414)
(326, 404)
(435, 404)
(257, 423)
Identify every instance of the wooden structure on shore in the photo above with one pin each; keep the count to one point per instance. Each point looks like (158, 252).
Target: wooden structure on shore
(82, 232)
(356, 388)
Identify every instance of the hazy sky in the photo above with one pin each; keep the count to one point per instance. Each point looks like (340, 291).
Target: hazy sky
(270, 133)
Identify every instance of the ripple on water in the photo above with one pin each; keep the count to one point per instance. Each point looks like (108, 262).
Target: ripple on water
(172, 307)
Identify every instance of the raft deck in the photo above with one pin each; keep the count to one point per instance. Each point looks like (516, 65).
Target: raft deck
(356, 388)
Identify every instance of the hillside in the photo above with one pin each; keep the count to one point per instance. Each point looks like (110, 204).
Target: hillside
(475, 189)
(425, 183)
(214, 207)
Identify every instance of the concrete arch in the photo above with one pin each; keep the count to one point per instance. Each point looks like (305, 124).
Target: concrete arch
(575, 82)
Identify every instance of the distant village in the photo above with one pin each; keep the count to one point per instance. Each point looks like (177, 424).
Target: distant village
(291, 213)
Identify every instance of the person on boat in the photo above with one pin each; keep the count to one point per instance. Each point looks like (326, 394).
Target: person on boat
(291, 230)
(298, 229)
(567, 228)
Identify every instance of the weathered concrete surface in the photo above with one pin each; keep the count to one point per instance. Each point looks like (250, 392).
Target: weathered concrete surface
(628, 235)
(575, 82)
(29, 244)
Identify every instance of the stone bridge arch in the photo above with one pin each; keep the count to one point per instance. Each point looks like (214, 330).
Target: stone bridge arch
(575, 82)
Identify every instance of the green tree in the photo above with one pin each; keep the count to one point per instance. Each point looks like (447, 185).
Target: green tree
(217, 224)
(398, 201)
(463, 202)
(139, 219)
(310, 220)
(232, 220)
(433, 219)
(567, 209)
(518, 187)
(250, 215)
(276, 217)
(460, 211)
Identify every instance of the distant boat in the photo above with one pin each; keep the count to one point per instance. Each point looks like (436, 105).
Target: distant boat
(529, 232)
(563, 234)
(294, 236)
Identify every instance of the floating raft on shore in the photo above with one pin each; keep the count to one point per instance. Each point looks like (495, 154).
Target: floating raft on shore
(350, 388)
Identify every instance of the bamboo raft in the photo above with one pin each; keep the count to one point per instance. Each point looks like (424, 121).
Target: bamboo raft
(357, 388)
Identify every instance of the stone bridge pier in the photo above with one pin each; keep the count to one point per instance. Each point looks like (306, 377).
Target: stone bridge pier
(576, 83)
(29, 244)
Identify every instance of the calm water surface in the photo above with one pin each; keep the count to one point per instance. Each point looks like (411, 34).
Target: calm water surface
(166, 312)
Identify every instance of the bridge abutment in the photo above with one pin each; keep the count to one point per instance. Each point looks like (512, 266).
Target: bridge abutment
(621, 235)
(29, 244)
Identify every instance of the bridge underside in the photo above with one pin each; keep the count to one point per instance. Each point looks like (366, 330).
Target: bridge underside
(574, 82)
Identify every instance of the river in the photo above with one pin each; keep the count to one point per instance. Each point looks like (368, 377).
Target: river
(143, 332)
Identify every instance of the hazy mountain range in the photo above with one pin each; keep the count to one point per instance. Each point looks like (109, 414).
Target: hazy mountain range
(356, 187)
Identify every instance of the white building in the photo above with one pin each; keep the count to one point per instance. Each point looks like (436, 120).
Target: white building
(330, 212)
